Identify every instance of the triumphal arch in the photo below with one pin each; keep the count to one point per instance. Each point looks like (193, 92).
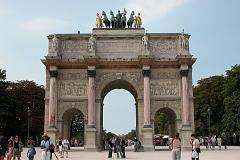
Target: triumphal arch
(82, 68)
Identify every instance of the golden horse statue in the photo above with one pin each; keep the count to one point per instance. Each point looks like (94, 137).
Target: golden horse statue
(98, 21)
(138, 21)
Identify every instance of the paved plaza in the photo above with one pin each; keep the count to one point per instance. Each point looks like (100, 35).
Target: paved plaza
(232, 153)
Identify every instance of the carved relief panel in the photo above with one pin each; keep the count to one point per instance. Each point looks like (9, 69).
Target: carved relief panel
(72, 84)
(165, 88)
(164, 48)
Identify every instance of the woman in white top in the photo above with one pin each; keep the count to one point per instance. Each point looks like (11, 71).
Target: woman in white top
(176, 148)
(195, 147)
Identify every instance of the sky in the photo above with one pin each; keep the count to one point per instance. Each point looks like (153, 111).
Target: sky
(213, 25)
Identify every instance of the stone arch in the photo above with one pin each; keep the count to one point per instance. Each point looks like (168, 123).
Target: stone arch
(118, 84)
(172, 117)
(130, 85)
(66, 121)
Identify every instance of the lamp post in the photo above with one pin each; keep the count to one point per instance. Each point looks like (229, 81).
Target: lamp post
(29, 121)
(209, 121)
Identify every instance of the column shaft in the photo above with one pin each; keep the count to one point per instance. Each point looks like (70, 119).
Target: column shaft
(185, 98)
(146, 94)
(146, 101)
(91, 101)
(52, 98)
(91, 96)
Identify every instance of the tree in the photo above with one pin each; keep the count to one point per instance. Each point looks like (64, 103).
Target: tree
(209, 94)
(161, 123)
(131, 135)
(231, 119)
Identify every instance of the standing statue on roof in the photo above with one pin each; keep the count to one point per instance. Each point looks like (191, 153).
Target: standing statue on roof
(98, 21)
(130, 20)
(124, 19)
(105, 20)
(138, 21)
(113, 20)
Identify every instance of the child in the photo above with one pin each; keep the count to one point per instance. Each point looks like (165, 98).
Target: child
(31, 151)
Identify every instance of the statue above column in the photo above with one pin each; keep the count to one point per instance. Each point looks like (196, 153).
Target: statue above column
(118, 21)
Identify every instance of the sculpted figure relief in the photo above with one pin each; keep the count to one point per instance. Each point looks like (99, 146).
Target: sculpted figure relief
(92, 44)
(183, 42)
(55, 43)
(145, 43)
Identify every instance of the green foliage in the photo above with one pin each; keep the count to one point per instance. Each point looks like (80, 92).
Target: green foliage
(77, 127)
(108, 135)
(208, 94)
(161, 123)
(222, 95)
(15, 100)
(131, 135)
(231, 119)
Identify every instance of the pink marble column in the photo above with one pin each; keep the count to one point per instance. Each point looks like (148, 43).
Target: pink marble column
(185, 98)
(91, 97)
(146, 100)
(52, 98)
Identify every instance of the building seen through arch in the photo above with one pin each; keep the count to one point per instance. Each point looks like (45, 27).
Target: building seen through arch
(156, 68)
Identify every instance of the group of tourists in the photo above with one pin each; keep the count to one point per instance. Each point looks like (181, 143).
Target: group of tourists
(63, 146)
(117, 145)
(10, 148)
(214, 141)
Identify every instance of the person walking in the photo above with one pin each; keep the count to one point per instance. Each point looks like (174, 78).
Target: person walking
(110, 148)
(136, 144)
(219, 142)
(123, 145)
(176, 148)
(9, 153)
(66, 146)
(17, 148)
(45, 146)
(3, 145)
(118, 147)
(31, 150)
(195, 147)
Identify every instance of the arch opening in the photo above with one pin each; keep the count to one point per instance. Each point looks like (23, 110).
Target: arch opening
(119, 112)
(164, 126)
(74, 127)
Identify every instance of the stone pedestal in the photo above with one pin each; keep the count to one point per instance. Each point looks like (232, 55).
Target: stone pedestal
(52, 133)
(90, 138)
(147, 143)
(186, 132)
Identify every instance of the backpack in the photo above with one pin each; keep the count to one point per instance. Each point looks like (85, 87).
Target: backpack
(51, 148)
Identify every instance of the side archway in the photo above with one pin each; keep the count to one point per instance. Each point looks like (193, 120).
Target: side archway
(73, 126)
(165, 122)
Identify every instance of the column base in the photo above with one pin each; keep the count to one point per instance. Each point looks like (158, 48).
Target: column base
(186, 132)
(147, 143)
(90, 138)
(52, 133)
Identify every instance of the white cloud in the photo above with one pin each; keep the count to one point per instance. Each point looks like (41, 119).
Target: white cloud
(153, 9)
(43, 24)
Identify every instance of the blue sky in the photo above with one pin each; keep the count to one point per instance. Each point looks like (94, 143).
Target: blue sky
(213, 25)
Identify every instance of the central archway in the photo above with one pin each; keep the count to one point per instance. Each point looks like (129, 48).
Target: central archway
(118, 84)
